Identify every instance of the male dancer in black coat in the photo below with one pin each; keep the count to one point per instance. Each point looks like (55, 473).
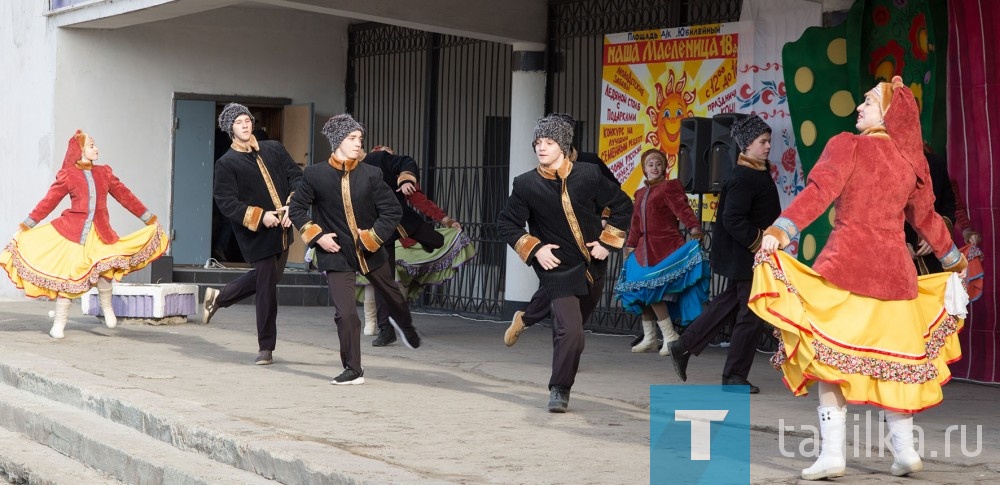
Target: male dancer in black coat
(748, 204)
(353, 213)
(540, 306)
(565, 242)
(253, 181)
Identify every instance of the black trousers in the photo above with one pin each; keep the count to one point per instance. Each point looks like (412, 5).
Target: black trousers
(568, 316)
(261, 281)
(430, 240)
(538, 309)
(726, 307)
(342, 287)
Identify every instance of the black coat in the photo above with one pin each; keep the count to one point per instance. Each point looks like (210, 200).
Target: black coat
(592, 158)
(372, 202)
(748, 204)
(243, 197)
(536, 201)
(393, 166)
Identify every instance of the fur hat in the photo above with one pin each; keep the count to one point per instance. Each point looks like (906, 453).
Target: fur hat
(555, 127)
(229, 114)
(747, 130)
(338, 127)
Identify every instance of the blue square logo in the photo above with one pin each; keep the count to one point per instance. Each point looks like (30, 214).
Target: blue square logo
(699, 434)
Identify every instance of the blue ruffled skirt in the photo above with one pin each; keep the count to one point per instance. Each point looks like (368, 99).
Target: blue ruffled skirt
(681, 280)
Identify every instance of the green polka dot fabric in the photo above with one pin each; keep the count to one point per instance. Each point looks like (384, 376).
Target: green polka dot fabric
(821, 105)
(828, 70)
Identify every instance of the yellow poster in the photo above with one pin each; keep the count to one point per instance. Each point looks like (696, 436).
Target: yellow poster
(652, 79)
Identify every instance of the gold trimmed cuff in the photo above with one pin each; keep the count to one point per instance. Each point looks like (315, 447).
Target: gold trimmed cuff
(526, 246)
(755, 245)
(406, 177)
(252, 218)
(310, 231)
(370, 240)
(612, 236)
(606, 213)
(151, 220)
(402, 231)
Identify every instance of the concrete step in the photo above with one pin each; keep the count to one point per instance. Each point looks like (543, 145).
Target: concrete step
(118, 450)
(25, 461)
(204, 435)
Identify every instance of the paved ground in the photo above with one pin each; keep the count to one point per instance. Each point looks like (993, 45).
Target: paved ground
(464, 408)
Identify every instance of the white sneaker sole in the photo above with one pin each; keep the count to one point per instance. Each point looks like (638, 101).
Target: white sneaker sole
(400, 335)
(355, 382)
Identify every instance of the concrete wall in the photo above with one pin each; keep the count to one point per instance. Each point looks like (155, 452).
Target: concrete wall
(118, 85)
(27, 52)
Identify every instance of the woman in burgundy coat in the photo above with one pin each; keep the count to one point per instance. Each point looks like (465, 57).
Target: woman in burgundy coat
(78, 250)
(664, 278)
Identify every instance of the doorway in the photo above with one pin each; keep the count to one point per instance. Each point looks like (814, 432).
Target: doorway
(201, 235)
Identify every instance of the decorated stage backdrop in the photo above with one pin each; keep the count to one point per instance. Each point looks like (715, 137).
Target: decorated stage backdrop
(655, 78)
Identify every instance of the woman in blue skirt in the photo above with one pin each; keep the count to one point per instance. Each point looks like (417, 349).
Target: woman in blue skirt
(664, 279)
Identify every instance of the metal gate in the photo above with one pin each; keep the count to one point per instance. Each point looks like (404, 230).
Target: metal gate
(445, 100)
(575, 46)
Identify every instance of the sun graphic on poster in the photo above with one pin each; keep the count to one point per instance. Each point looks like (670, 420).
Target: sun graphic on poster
(673, 103)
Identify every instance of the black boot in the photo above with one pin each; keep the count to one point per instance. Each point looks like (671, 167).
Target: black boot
(558, 399)
(386, 336)
(680, 356)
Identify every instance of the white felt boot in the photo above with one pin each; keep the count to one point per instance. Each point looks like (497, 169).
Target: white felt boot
(833, 430)
(371, 311)
(648, 337)
(61, 314)
(907, 459)
(104, 294)
(669, 335)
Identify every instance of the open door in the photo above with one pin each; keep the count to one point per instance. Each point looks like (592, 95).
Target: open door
(297, 136)
(191, 190)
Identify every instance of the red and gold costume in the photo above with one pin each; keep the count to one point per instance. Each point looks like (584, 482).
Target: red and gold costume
(67, 256)
(860, 318)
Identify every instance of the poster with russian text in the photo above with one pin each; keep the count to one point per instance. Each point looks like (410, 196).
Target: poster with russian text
(654, 78)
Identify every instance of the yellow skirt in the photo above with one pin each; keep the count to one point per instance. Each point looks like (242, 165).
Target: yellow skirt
(890, 353)
(43, 263)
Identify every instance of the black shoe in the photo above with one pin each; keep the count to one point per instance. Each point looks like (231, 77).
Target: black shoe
(263, 358)
(680, 357)
(408, 335)
(411, 338)
(349, 378)
(386, 335)
(740, 381)
(558, 399)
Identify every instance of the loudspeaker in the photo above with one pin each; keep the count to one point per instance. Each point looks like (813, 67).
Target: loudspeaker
(724, 151)
(692, 157)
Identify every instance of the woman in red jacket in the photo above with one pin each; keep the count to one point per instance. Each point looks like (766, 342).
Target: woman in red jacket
(67, 257)
(860, 323)
(663, 276)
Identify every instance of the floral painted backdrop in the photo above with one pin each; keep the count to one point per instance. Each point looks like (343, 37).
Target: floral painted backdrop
(828, 70)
